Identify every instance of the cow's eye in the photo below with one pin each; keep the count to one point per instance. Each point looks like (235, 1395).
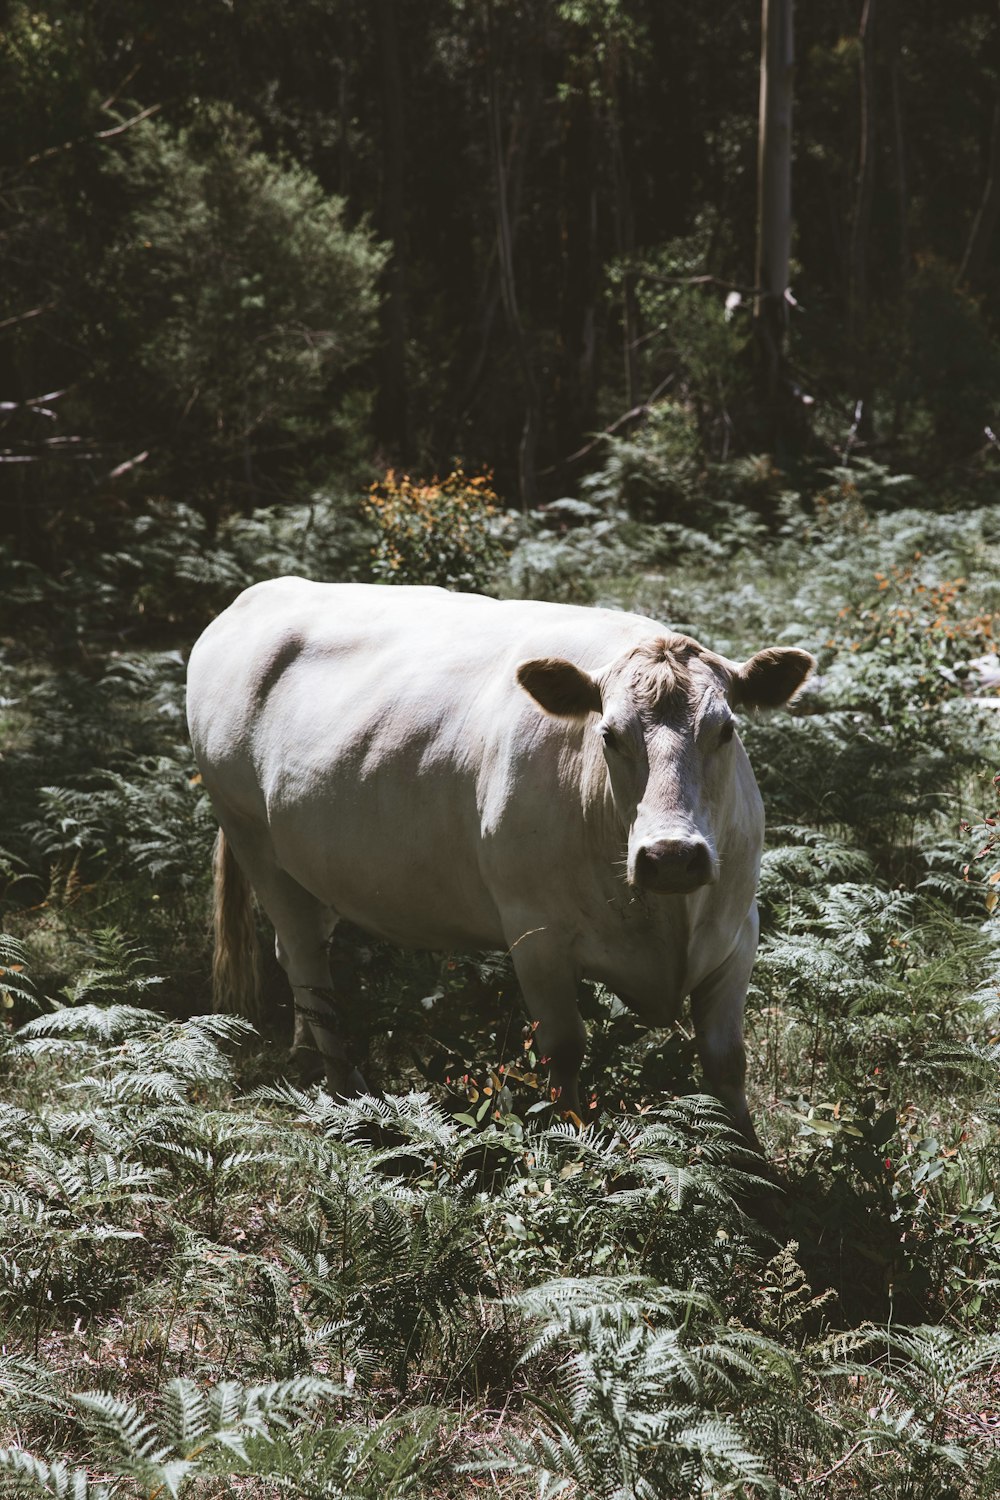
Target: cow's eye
(727, 731)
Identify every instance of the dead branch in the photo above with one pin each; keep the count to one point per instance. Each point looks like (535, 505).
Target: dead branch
(100, 135)
(629, 416)
(33, 312)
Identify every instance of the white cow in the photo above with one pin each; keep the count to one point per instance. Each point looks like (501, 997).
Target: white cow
(457, 772)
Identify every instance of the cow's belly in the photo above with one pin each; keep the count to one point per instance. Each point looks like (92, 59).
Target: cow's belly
(418, 911)
(408, 873)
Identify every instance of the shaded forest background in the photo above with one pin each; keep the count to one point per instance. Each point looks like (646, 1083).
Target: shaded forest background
(464, 294)
(251, 250)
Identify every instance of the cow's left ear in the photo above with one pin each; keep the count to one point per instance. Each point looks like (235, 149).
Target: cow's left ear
(771, 677)
(560, 687)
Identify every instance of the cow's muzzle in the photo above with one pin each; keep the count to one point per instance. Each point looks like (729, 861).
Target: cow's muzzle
(672, 867)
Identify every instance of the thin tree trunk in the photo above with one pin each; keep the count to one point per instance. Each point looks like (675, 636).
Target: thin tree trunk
(343, 129)
(774, 210)
(490, 297)
(857, 312)
(985, 222)
(588, 331)
(391, 406)
(624, 235)
(892, 46)
(576, 389)
(508, 286)
(899, 142)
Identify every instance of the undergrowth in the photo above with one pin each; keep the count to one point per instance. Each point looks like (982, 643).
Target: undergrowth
(214, 1280)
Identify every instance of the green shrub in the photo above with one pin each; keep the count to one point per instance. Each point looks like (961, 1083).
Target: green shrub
(246, 301)
(447, 532)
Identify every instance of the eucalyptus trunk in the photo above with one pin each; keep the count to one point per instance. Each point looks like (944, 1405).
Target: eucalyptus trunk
(857, 316)
(527, 472)
(391, 406)
(774, 215)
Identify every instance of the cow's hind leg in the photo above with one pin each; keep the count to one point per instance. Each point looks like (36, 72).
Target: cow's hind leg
(302, 927)
(302, 931)
(717, 1009)
(548, 983)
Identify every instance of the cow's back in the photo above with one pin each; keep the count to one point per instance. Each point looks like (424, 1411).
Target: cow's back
(376, 732)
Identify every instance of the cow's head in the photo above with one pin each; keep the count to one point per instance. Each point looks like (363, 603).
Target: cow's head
(665, 721)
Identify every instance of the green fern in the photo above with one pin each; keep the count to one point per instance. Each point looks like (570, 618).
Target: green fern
(786, 1299)
(135, 1055)
(226, 1430)
(15, 985)
(23, 1475)
(922, 1375)
(640, 1399)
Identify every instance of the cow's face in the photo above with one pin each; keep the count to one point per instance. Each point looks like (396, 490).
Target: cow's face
(664, 717)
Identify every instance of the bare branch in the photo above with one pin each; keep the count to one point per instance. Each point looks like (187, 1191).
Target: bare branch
(34, 404)
(729, 286)
(100, 135)
(144, 114)
(130, 463)
(629, 416)
(49, 396)
(113, 98)
(33, 312)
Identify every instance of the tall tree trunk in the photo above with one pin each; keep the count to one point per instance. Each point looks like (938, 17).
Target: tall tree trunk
(898, 140)
(344, 120)
(391, 404)
(624, 233)
(890, 30)
(985, 222)
(527, 479)
(576, 393)
(774, 214)
(857, 310)
(490, 298)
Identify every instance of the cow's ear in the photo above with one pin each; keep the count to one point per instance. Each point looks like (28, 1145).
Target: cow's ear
(560, 687)
(771, 677)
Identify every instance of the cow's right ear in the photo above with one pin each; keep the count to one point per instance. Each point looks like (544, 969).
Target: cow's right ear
(560, 687)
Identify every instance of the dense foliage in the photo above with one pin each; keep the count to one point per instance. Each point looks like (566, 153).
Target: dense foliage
(552, 201)
(345, 290)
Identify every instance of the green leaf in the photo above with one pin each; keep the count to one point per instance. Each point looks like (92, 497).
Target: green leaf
(884, 1127)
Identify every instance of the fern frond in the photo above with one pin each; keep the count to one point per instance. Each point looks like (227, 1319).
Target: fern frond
(101, 1024)
(122, 1426)
(23, 1475)
(15, 983)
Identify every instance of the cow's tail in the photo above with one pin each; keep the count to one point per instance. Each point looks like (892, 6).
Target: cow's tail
(235, 973)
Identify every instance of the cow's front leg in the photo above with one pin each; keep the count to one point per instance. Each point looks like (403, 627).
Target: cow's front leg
(717, 1008)
(547, 977)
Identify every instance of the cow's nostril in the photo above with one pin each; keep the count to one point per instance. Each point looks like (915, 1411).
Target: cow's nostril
(674, 865)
